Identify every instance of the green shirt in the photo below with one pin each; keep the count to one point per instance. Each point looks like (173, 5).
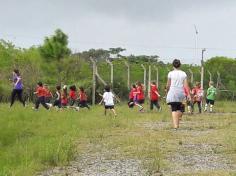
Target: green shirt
(211, 93)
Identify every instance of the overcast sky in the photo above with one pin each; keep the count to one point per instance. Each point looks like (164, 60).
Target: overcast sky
(152, 27)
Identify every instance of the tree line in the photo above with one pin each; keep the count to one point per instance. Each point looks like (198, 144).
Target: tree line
(54, 63)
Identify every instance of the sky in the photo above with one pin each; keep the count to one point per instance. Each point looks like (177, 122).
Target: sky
(151, 27)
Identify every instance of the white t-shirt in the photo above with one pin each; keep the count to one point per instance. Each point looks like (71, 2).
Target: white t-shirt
(177, 78)
(108, 98)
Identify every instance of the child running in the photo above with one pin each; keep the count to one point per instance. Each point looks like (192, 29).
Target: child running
(64, 95)
(57, 102)
(154, 96)
(140, 96)
(210, 97)
(83, 98)
(72, 95)
(197, 96)
(132, 96)
(48, 94)
(108, 99)
(40, 92)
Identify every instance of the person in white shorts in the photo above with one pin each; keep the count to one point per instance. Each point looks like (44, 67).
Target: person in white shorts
(108, 99)
(177, 81)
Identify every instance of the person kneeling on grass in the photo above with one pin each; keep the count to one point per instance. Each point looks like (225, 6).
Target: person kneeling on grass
(210, 97)
(40, 92)
(108, 99)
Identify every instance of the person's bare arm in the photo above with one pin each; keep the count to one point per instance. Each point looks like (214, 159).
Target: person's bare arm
(168, 84)
(187, 87)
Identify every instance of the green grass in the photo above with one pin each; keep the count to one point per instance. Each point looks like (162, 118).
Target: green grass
(34, 141)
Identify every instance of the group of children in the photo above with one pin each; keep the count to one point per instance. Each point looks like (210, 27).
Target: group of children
(72, 99)
(137, 96)
(61, 99)
(197, 94)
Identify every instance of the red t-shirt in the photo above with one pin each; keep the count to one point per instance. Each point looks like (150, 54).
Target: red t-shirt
(41, 92)
(82, 96)
(47, 93)
(64, 99)
(72, 95)
(197, 94)
(131, 94)
(153, 91)
(140, 94)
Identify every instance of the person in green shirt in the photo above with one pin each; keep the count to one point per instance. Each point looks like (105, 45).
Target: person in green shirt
(210, 97)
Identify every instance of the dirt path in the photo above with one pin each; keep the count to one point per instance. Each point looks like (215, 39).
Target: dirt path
(99, 162)
(187, 154)
(191, 156)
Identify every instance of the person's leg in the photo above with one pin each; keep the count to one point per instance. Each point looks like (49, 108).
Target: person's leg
(37, 103)
(199, 106)
(151, 105)
(175, 118)
(20, 96)
(211, 105)
(86, 105)
(206, 105)
(13, 97)
(114, 111)
(42, 101)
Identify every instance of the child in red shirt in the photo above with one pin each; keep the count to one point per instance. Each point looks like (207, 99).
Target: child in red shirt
(72, 95)
(140, 96)
(197, 96)
(64, 99)
(154, 96)
(48, 94)
(132, 96)
(40, 92)
(83, 98)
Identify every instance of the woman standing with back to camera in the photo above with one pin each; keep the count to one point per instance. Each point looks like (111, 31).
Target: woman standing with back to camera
(177, 81)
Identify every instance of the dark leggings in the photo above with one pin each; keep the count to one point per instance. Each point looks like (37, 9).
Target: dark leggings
(19, 94)
(199, 106)
(154, 103)
(41, 100)
(83, 104)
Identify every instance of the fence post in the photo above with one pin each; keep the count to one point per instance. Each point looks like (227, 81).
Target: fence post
(111, 65)
(210, 75)
(191, 73)
(144, 76)
(128, 75)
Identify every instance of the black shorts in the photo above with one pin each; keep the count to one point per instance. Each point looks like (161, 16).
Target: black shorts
(176, 106)
(140, 101)
(211, 102)
(109, 107)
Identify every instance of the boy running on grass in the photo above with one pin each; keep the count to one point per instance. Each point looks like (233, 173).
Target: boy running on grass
(40, 92)
(154, 96)
(210, 97)
(132, 96)
(108, 99)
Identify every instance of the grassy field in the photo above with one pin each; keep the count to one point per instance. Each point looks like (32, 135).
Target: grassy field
(31, 142)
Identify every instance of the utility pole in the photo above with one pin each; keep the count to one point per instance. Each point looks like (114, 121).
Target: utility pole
(144, 75)
(111, 65)
(128, 75)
